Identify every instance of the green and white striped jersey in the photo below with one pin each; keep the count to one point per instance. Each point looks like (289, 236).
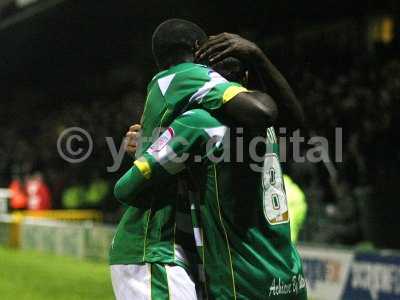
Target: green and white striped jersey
(240, 216)
(158, 228)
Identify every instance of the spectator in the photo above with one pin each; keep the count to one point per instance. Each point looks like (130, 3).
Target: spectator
(19, 197)
(39, 197)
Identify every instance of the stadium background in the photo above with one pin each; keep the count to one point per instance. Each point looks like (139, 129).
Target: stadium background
(66, 63)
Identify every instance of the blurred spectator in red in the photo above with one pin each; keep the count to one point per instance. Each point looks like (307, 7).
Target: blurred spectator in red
(19, 197)
(39, 197)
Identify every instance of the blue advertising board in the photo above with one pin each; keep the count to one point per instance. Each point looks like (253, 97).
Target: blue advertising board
(373, 276)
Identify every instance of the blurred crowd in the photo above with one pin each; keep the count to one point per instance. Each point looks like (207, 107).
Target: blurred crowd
(363, 100)
(361, 97)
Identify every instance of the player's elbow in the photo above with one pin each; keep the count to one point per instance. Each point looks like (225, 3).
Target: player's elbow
(118, 191)
(121, 192)
(266, 112)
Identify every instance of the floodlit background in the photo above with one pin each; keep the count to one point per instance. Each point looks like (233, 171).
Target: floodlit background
(86, 64)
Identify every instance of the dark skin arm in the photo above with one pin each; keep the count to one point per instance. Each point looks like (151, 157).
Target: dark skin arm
(231, 45)
(252, 110)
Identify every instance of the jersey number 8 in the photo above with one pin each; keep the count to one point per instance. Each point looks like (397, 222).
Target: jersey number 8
(274, 198)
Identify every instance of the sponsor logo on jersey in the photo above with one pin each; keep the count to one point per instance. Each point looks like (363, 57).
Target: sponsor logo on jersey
(162, 141)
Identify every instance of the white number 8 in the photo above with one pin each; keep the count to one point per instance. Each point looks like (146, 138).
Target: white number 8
(274, 198)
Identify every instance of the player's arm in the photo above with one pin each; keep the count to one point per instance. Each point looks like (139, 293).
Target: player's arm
(168, 154)
(271, 80)
(254, 110)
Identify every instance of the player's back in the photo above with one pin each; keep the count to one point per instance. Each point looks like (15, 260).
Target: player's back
(248, 253)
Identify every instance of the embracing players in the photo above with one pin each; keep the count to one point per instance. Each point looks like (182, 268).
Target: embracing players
(245, 245)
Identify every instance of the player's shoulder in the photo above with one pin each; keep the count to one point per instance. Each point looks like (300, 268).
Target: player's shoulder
(199, 118)
(205, 71)
(179, 73)
(183, 69)
(193, 72)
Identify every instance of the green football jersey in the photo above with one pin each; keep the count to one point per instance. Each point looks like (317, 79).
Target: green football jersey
(159, 230)
(241, 220)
